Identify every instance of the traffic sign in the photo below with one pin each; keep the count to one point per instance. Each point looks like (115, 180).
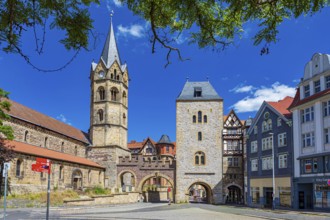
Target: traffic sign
(42, 165)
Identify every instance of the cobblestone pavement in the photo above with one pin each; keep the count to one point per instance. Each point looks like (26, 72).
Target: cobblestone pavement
(149, 211)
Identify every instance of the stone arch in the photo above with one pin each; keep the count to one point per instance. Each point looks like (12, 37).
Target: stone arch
(77, 179)
(123, 172)
(208, 188)
(145, 178)
(233, 184)
(233, 193)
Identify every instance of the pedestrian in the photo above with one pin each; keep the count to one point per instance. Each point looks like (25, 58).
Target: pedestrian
(169, 201)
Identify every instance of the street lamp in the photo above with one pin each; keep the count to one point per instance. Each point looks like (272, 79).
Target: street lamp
(273, 154)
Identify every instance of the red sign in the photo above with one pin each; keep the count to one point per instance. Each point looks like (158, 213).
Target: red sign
(168, 189)
(328, 182)
(42, 165)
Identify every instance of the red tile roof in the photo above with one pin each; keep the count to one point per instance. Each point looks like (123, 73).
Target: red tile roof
(282, 106)
(25, 148)
(138, 145)
(297, 101)
(22, 112)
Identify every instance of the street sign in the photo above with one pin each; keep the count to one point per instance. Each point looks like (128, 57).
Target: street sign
(6, 167)
(42, 165)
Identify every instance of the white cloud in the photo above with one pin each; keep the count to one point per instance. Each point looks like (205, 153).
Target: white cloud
(242, 89)
(134, 30)
(62, 118)
(276, 92)
(117, 3)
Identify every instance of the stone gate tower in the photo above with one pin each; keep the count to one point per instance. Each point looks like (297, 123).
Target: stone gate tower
(199, 125)
(108, 109)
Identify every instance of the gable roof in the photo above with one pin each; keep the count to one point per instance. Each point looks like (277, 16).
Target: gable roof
(25, 148)
(206, 89)
(297, 101)
(139, 145)
(232, 112)
(282, 106)
(24, 113)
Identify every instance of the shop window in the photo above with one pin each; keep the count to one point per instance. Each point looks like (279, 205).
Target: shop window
(285, 196)
(255, 194)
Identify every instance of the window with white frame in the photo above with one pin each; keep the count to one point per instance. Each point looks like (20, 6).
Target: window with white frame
(267, 163)
(254, 146)
(327, 82)
(282, 140)
(232, 161)
(317, 86)
(255, 130)
(326, 135)
(254, 165)
(282, 161)
(307, 114)
(308, 139)
(306, 91)
(267, 143)
(279, 122)
(326, 108)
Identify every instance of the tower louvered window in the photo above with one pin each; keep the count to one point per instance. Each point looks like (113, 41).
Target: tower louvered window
(199, 117)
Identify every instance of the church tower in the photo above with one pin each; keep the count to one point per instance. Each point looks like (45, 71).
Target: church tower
(109, 108)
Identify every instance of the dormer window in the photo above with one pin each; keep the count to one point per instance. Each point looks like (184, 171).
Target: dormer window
(317, 86)
(198, 92)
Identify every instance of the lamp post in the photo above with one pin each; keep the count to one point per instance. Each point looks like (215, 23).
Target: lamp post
(273, 154)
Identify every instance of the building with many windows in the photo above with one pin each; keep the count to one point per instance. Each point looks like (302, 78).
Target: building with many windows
(311, 130)
(270, 134)
(199, 125)
(233, 170)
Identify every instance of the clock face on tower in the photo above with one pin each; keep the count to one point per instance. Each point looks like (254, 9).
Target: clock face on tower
(101, 74)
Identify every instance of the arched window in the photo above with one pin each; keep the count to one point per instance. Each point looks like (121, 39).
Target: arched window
(264, 126)
(19, 168)
(26, 136)
(199, 158)
(199, 117)
(270, 124)
(61, 176)
(205, 118)
(118, 77)
(199, 136)
(75, 150)
(124, 98)
(115, 74)
(89, 176)
(46, 142)
(62, 146)
(124, 119)
(114, 92)
(100, 114)
(101, 93)
(100, 176)
(194, 119)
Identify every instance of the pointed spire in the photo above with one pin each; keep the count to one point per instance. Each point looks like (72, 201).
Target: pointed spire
(110, 51)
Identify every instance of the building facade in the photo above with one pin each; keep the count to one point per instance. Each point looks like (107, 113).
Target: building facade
(232, 162)
(199, 125)
(311, 126)
(270, 135)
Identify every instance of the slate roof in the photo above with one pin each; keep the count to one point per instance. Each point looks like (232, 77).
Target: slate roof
(24, 113)
(28, 149)
(282, 106)
(110, 52)
(165, 139)
(208, 92)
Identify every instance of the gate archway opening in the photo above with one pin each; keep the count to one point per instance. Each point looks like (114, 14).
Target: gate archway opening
(200, 192)
(234, 195)
(127, 180)
(157, 188)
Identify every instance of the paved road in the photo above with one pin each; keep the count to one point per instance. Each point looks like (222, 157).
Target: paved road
(160, 211)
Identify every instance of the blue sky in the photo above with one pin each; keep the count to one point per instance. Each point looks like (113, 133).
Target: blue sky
(239, 74)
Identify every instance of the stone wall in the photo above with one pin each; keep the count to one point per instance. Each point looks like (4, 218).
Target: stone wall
(36, 136)
(30, 181)
(188, 173)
